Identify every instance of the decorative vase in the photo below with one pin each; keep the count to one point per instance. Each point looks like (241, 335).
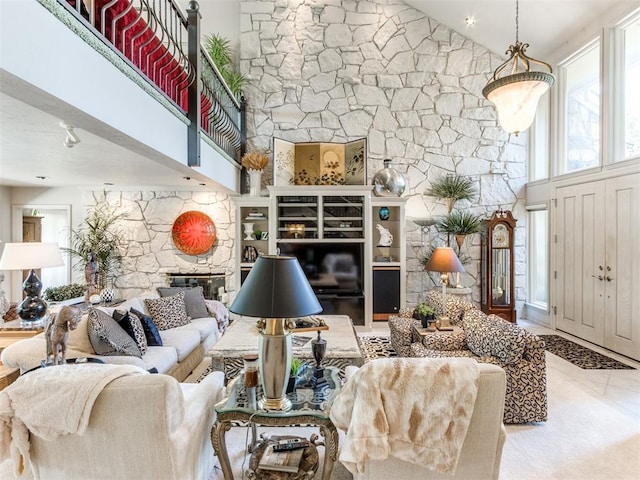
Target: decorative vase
(107, 295)
(389, 182)
(255, 182)
(383, 213)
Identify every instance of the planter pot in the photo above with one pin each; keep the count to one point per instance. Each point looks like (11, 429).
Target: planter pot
(255, 182)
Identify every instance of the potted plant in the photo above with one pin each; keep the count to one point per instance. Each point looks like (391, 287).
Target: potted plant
(452, 188)
(221, 53)
(460, 224)
(425, 313)
(297, 367)
(98, 240)
(255, 162)
(66, 294)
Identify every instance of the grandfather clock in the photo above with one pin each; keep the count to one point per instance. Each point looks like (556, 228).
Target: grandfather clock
(497, 266)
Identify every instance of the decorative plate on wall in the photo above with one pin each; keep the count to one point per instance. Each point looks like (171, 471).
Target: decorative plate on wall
(193, 232)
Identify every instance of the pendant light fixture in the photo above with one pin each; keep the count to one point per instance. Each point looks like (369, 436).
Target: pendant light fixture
(515, 89)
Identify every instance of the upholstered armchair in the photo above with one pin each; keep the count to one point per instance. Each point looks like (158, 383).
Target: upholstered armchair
(481, 451)
(142, 426)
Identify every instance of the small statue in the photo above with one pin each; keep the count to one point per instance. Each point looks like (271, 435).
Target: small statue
(319, 349)
(386, 239)
(91, 274)
(57, 333)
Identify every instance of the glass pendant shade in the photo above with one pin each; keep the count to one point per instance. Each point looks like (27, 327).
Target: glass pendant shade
(517, 101)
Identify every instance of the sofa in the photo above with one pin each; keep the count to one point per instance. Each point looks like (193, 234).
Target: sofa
(140, 426)
(481, 451)
(487, 339)
(182, 347)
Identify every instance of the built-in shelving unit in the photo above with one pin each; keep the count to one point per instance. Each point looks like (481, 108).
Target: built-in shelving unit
(332, 231)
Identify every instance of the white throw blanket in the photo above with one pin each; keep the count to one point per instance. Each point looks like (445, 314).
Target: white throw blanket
(50, 402)
(414, 409)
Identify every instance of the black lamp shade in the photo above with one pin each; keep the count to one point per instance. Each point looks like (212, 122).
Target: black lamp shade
(276, 287)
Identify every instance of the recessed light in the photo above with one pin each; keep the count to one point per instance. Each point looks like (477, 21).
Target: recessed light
(203, 184)
(187, 178)
(470, 21)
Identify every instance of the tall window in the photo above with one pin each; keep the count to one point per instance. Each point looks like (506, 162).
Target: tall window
(580, 89)
(628, 106)
(539, 258)
(539, 141)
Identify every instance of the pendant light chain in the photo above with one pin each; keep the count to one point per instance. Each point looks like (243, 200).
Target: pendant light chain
(517, 20)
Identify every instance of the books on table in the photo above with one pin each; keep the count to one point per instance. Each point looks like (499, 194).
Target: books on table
(286, 461)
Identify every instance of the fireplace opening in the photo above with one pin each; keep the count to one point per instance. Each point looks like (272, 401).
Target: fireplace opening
(213, 284)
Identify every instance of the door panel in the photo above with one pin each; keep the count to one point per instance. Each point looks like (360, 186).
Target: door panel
(580, 260)
(622, 288)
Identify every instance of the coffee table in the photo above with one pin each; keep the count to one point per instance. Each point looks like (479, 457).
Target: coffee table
(241, 338)
(309, 407)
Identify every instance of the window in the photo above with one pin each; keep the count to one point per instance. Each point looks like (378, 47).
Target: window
(539, 258)
(580, 110)
(628, 101)
(539, 141)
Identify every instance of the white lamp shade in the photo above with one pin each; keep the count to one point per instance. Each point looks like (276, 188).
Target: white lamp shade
(517, 103)
(25, 256)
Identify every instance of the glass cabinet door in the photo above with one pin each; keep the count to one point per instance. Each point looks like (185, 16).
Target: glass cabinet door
(342, 216)
(297, 217)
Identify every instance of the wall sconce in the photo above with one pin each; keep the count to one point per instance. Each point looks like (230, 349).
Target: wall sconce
(72, 138)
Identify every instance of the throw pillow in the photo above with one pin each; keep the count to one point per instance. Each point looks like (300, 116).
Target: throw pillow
(107, 337)
(493, 336)
(150, 329)
(79, 338)
(132, 325)
(168, 312)
(193, 299)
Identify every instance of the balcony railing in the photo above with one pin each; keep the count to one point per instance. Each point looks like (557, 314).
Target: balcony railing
(163, 45)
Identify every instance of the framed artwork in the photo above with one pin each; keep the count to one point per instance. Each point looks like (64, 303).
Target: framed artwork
(193, 232)
(319, 163)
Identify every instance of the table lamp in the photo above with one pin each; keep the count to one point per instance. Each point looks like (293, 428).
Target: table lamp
(31, 256)
(444, 260)
(275, 290)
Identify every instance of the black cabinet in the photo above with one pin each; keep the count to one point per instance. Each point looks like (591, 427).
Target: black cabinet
(386, 292)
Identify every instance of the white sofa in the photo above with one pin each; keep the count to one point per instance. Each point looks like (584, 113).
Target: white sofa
(183, 348)
(141, 427)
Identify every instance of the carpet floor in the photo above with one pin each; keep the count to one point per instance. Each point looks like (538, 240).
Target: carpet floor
(580, 356)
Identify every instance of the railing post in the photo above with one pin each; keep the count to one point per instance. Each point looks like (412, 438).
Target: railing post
(193, 114)
(243, 144)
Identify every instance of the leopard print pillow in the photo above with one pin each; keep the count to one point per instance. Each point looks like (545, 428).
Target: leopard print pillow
(168, 312)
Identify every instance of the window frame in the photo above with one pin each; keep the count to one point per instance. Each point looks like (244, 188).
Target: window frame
(531, 271)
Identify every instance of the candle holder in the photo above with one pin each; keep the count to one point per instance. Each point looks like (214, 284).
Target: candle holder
(319, 349)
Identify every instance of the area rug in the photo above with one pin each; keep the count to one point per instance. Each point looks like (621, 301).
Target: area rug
(376, 347)
(580, 356)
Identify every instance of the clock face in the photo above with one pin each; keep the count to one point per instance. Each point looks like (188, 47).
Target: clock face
(500, 236)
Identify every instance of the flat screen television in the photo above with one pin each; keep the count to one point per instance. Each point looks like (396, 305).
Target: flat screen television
(331, 268)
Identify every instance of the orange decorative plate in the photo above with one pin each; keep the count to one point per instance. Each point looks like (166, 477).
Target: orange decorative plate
(193, 232)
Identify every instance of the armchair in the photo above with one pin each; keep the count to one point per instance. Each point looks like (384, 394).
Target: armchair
(481, 450)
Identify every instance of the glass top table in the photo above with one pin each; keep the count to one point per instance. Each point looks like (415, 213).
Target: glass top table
(309, 407)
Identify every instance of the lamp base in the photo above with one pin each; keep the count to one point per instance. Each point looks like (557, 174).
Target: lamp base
(274, 347)
(282, 404)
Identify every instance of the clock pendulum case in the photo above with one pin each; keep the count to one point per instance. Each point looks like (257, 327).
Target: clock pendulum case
(497, 266)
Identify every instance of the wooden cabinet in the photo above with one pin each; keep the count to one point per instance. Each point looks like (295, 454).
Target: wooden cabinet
(497, 266)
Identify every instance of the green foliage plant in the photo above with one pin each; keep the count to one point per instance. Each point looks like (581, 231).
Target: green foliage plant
(296, 365)
(99, 233)
(461, 223)
(220, 51)
(425, 309)
(452, 188)
(64, 292)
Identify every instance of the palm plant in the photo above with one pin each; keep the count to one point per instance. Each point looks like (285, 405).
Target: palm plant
(220, 51)
(99, 235)
(461, 224)
(452, 188)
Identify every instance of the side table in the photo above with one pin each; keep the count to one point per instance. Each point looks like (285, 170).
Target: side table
(309, 407)
(11, 332)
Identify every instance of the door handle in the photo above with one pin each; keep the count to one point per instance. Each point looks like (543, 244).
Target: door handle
(599, 277)
(608, 278)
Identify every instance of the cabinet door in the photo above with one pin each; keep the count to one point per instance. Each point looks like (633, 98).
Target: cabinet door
(622, 266)
(386, 292)
(580, 260)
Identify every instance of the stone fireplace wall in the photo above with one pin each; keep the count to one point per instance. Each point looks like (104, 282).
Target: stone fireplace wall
(151, 254)
(339, 70)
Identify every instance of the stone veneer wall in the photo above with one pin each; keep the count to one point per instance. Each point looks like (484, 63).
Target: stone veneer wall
(151, 253)
(339, 70)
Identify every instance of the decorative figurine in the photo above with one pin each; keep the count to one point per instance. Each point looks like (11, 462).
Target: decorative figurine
(57, 333)
(91, 274)
(386, 239)
(319, 349)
